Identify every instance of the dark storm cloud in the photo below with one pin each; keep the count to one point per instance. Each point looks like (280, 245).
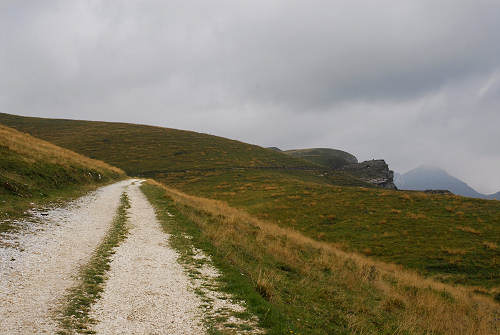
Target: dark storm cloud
(411, 81)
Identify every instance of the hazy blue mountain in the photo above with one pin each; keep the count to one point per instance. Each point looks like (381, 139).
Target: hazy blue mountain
(494, 196)
(434, 178)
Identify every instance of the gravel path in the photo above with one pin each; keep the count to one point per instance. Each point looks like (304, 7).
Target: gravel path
(147, 291)
(36, 272)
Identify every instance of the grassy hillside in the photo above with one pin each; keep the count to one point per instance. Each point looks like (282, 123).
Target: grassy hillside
(307, 286)
(451, 238)
(140, 149)
(293, 226)
(330, 158)
(33, 172)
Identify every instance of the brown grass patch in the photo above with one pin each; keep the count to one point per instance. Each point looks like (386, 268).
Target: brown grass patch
(490, 245)
(449, 209)
(468, 229)
(387, 234)
(405, 197)
(417, 216)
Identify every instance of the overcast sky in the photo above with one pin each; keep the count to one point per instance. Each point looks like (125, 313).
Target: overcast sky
(413, 82)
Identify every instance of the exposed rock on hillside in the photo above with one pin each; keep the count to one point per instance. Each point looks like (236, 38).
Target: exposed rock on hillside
(374, 172)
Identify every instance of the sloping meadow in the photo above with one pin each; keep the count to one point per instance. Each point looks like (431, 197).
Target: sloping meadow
(312, 287)
(147, 150)
(451, 238)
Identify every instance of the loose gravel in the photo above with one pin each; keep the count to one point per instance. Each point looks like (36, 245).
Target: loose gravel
(38, 263)
(147, 291)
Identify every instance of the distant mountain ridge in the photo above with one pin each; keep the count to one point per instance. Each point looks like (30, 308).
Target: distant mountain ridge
(434, 178)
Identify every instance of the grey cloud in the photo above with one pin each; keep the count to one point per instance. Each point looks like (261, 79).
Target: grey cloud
(411, 81)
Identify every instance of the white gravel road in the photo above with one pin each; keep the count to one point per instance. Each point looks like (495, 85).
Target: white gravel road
(35, 274)
(147, 291)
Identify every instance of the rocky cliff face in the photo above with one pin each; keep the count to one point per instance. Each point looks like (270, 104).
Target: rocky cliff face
(375, 172)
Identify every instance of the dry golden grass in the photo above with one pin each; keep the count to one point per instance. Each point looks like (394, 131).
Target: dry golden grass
(405, 196)
(420, 305)
(24, 144)
(490, 245)
(417, 216)
(449, 209)
(469, 230)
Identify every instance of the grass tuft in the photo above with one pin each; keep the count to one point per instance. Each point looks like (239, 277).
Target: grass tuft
(74, 314)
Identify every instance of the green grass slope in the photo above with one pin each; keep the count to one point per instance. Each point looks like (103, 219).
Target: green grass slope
(330, 158)
(140, 149)
(35, 172)
(157, 152)
(451, 238)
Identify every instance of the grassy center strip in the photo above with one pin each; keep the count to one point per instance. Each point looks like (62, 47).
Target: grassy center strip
(74, 314)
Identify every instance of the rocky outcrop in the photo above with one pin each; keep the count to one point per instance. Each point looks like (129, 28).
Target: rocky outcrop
(374, 172)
